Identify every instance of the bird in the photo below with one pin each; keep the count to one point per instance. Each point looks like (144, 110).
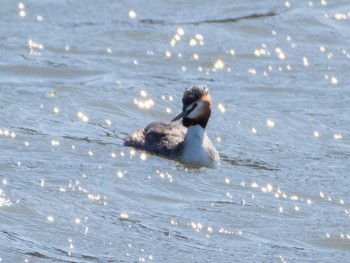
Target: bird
(185, 141)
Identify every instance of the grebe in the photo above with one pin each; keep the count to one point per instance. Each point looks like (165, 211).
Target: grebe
(184, 141)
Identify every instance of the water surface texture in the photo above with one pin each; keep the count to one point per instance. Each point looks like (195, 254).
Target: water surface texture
(78, 76)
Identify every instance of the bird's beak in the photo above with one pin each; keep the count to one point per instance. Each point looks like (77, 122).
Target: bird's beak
(180, 115)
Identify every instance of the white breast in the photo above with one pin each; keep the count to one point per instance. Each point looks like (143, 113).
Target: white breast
(196, 148)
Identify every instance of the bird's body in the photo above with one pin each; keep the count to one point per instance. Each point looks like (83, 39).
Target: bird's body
(166, 139)
(184, 141)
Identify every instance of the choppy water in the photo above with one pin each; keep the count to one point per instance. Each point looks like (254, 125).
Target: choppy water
(78, 76)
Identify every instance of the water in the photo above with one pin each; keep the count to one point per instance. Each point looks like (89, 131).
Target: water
(77, 77)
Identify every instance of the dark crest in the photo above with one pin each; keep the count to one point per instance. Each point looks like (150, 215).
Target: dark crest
(193, 94)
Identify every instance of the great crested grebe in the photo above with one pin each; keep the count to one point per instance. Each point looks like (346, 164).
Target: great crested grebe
(184, 141)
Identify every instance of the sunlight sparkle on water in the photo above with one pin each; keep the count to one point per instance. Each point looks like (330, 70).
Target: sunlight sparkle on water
(280, 53)
(120, 174)
(143, 156)
(192, 42)
(221, 108)
(3, 200)
(34, 45)
(219, 64)
(83, 117)
(53, 93)
(294, 197)
(252, 71)
(132, 14)
(341, 16)
(132, 152)
(195, 56)
(21, 7)
(334, 80)
(177, 37)
(180, 31)
(269, 187)
(55, 143)
(123, 216)
(270, 123)
(168, 54)
(281, 56)
(254, 185)
(173, 42)
(337, 136)
(229, 195)
(50, 218)
(305, 62)
(232, 52)
(199, 37)
(143, 93)
(22, 13)
(316, 134)
(8, 133)
(260, 52)
(56, 110)
(196, 226)
(146, 104)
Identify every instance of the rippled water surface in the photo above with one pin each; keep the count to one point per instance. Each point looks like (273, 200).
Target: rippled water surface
(78, 76)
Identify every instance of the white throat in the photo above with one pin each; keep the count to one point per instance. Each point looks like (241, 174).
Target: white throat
(195, 136)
